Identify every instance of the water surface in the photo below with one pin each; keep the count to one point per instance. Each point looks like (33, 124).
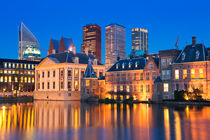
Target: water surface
(74, 120)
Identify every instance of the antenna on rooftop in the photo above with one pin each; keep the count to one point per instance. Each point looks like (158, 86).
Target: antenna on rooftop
(176, 44)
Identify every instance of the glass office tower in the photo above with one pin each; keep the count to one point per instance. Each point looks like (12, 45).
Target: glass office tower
(92, 40)
(115, 44)
(140, 40)
(28, 44)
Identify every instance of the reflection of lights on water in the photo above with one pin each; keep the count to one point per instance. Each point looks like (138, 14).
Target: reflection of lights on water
(3, 109)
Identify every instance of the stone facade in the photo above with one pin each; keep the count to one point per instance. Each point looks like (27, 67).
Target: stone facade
(59, 77)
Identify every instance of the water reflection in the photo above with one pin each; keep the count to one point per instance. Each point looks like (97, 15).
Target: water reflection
(73, 120)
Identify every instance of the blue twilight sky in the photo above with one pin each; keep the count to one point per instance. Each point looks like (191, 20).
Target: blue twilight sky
(165, 20)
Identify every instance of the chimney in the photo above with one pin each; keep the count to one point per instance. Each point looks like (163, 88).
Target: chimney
(193, 40)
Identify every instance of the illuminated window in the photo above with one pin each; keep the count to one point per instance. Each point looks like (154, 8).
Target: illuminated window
(165, 87)
(9, 65)
(13, 72)
(128, 88)
(200, 73)
(117, 66)
(29, 72)
(25, 79)
(16, 79)
(123, 65)
(32, 80)
(5, 71)
(32, 72)
(184, 74)
(5, 65)
(76, 84)
(13, 65)
(115, 88)
(21, 80)
(1, 71)
(29, 79)
(5, 79)
(176, 74)
(1, 79)
(32, 66)
(10, 79)
(136, 64)
(121, 87)
(129, 65)
(17, 66)
(192, 73)
(76, 73)
(25, 66)
(21, 66)
(87, 82)
(29, 66)
(9, 71)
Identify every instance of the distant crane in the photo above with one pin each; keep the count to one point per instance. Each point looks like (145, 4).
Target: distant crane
(177, 42)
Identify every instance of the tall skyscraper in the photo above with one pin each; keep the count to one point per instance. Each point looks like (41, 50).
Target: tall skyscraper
(140, 40)
(28, 45)
(115, 44)
(92, 40)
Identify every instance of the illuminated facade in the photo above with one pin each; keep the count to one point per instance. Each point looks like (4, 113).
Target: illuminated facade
(114, 44)
(140, 39)
(185, 70)
(191, 69)
(17, 76)
(92, 40)
(132, 77)
(63, 45)
(58, 76)
(28, 45)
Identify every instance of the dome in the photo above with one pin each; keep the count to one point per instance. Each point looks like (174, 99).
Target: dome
(31, 52)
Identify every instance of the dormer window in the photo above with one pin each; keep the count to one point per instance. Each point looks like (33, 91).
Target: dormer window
(129, 65)
(123, 65)
(117, 65)
(76, 60)
(197, 54)
(136, 64)
(183, 56)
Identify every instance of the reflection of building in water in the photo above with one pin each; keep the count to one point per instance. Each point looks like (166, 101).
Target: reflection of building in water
(16, 117)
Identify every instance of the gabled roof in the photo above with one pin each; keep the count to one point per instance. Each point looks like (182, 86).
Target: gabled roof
(192, 53)
(118, 66)
(89, 72)
(68, 57)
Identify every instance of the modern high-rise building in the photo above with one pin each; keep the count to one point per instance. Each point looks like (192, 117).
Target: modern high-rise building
(140, 40)
(92, 40)
(28, 45)
(115, 44)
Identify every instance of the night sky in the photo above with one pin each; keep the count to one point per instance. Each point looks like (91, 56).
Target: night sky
(164, 19)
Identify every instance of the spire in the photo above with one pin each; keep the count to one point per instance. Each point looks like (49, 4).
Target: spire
(89, 72)
(61, 46)
(51, 47)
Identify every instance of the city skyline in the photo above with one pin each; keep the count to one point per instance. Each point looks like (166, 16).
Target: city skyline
(163, 27)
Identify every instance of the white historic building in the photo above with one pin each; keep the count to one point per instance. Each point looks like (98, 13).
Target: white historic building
(58, 76)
